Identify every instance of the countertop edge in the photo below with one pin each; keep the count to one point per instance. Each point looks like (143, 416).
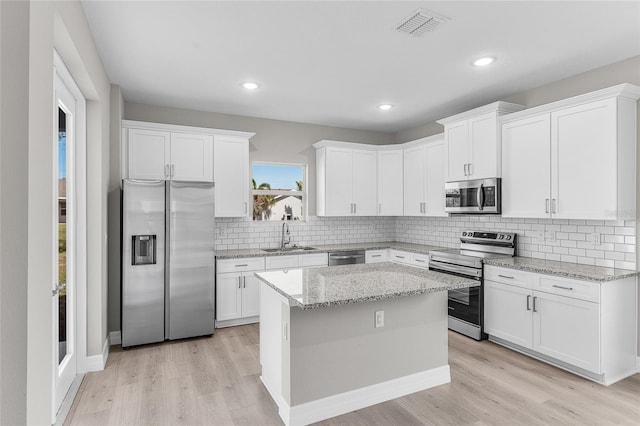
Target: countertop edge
(559, 269)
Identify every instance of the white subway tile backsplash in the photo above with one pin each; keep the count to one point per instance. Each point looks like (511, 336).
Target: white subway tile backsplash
(572, 237)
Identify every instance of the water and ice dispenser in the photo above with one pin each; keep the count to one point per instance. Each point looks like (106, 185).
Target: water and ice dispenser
(143, 250)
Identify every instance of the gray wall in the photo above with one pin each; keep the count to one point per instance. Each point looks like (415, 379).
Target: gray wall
(14, 130)
(29, 32)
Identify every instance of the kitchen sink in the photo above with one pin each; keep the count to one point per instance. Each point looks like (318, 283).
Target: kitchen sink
(288, 249)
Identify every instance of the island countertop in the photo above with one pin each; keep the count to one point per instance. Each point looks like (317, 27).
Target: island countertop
(347, 284)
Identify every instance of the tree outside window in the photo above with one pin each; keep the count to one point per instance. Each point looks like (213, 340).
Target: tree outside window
(279, 192)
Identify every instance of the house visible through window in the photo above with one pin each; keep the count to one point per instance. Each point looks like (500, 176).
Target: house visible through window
(279, 191)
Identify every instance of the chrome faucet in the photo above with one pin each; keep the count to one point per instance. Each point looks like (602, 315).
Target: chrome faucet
(283, 243)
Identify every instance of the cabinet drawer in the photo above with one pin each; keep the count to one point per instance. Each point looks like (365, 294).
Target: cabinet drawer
(420, 260)
(315, 259)
(510, 276)
(400, 257)
(583, 290)
(282, 262)
(240, 265)
(376, 256)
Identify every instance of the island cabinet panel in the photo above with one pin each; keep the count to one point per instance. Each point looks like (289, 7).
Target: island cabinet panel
(583, 326)
(572, 159)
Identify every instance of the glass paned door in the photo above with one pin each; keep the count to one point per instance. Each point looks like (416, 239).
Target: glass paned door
(64, 223)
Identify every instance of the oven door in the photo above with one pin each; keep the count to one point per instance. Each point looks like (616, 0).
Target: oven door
(464, 303)
(473, 196)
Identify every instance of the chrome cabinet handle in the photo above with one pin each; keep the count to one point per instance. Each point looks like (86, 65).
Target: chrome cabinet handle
(173, 170)
(355, 208)
(244, 282)
(528, 300)
(554, 206)
(470, 169)
(546, 208)
(400, 257)
(505, 276)
(420, 260)
(561, 287)
(465, 169)
(376, 255)
(239, 266)
(534, 303)
(480, 197)
(166, 170)
(239, 282)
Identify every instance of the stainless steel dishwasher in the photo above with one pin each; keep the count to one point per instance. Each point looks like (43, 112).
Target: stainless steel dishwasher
(346, 257)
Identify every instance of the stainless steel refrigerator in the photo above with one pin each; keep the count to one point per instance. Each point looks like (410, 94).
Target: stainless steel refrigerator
(167, 260)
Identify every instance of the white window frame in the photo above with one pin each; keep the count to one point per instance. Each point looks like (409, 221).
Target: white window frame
(303, 193)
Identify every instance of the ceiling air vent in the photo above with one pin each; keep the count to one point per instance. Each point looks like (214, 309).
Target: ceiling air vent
(421, 21)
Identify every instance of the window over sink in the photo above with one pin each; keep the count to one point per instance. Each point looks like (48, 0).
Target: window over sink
(279, 191)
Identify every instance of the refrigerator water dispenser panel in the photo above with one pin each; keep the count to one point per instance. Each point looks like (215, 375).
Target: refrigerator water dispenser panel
(143, 250)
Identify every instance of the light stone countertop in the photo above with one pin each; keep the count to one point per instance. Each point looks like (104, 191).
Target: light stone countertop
(258, 252)
(347, 284)
(562, 269)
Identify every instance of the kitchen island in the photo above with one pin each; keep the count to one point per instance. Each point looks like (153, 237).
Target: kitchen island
(341, 338)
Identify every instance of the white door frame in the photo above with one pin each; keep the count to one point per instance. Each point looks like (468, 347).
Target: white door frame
(62, 74)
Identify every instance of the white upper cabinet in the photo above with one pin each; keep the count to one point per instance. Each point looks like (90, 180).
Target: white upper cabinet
(572, 159)
(472, 143)
(160, 155)
(231, 175)
(346, 181)
(191, 157)
(424, 176)
(155, 151)
(390, 182)
(149, 154)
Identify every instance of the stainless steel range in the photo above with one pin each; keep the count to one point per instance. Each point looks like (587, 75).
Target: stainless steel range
(466, 314)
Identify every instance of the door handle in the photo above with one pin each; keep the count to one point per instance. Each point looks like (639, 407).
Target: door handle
(470, 169)
(528, 300)
(465, 169)
(562, 287)
(505, 276)
(480, 197)
(355, 208)
(173, 170)
(554, 206)
(58, 289)
(546, 208)
(244, 282)
(239, 282)
(534, 303)
(166, 170)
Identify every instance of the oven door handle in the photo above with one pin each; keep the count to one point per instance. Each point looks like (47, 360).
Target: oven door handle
(470, 272)
(480, 196)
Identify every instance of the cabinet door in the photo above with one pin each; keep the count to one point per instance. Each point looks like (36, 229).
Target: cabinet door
(506, 313)
(339, 182)
(231, 175)
(526, 167)
(483, 147)
(250, 295)
(228, 296)
(435, 178)
(414, 180)
(584, 166)
(567, 329)
(191, 157)
(365, 183)
(390, 183)
(376, 256)
(149, 154)
(457, 147)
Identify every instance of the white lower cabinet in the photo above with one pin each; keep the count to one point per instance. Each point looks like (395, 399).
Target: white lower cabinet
(585, 327)
(376, 256)
(238, 291)
(411, 259)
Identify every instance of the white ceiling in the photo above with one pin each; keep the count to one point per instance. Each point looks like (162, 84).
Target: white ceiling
(333, 62)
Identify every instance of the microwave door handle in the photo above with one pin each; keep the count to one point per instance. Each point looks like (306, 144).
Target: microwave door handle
(480, 196)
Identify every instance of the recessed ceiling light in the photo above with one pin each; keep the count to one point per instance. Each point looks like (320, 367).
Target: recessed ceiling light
(483, 62)
(250, 85)
(385, 107)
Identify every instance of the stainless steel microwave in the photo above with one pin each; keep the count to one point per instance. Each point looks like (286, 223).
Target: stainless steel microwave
(473, 196)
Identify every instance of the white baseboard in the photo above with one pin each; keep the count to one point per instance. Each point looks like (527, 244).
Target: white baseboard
(335, 405)
(115, 338)
(97, 362)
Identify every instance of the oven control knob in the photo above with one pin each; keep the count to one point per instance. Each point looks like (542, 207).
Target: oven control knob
(501, 237)
(464, 234)
(508, 237)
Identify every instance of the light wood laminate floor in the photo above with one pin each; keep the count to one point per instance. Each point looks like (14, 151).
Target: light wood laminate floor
(215, 381)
